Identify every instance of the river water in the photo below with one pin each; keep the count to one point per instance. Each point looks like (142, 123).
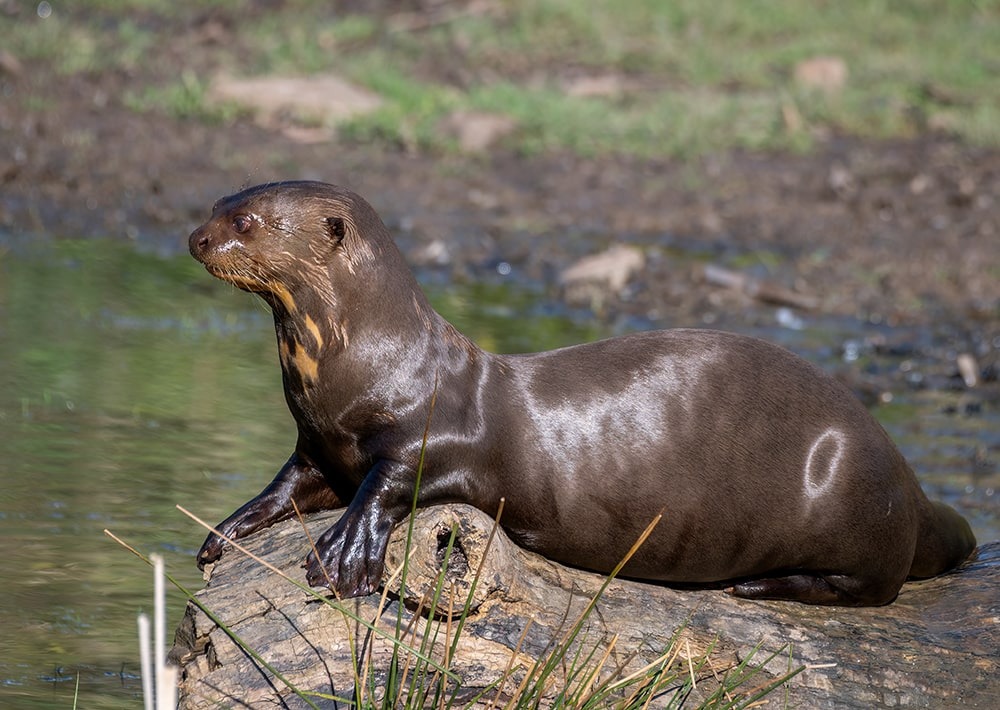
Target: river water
(131, 382)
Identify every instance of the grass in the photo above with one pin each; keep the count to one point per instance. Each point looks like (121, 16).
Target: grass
(696, 77)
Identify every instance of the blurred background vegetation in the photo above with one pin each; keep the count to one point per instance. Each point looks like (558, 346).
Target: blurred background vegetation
(640, 77)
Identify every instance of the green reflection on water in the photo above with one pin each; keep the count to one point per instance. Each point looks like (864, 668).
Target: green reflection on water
(132, 383)
(117, 400)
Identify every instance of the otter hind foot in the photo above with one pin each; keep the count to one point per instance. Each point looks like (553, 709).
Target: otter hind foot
(840, 590)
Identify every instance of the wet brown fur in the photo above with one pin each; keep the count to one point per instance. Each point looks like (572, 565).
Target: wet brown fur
(773, 478)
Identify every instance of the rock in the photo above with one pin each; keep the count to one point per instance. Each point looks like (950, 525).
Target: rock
(593, 278)
(763, 291)
(324, 98)
(826, 74)
(10, 64)
(602, 86)
(968, 368)
(476, 131)
(840, 180)
(433, 253)
(920, 183)
(937, 645)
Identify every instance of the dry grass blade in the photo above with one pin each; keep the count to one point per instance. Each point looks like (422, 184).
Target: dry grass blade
(311, 592)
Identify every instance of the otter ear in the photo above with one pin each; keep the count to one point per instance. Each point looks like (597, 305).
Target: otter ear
(337, 229)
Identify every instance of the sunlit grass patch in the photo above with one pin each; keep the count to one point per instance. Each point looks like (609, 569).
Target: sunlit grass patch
(696, 77)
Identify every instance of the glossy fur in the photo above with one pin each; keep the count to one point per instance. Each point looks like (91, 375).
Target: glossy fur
(772, 477)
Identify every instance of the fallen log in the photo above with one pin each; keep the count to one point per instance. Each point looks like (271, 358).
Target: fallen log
(936, 646)
(763, 291)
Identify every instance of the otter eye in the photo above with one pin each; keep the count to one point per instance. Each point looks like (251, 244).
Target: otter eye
(241, 223)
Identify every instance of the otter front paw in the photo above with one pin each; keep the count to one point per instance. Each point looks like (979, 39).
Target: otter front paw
(350, 561)
(211, 550)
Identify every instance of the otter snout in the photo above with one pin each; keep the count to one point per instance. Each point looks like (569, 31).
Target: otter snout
(198, 243)
(212, 248)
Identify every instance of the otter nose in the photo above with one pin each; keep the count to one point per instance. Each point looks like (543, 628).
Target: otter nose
(198, 242)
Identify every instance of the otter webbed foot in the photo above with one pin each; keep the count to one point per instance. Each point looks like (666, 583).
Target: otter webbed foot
(298, 481)
(352, 552)
(351, 557)
(840, 590)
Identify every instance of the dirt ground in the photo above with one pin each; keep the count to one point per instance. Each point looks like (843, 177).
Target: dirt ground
(895, 232)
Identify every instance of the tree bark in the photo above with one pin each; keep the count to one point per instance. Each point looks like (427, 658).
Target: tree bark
(936, 646)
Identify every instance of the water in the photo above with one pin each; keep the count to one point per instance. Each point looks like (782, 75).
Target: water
(132, 382)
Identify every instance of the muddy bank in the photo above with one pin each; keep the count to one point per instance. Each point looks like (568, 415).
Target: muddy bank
(901, 233)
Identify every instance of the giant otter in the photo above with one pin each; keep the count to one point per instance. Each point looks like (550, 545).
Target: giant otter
(772, 477)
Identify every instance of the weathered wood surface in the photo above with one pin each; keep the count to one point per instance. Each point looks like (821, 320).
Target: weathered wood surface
(936, 646)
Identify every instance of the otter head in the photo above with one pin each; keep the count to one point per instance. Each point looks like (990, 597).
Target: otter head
(289, 242)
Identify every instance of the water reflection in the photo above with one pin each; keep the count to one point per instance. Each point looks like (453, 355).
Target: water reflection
(132, 383)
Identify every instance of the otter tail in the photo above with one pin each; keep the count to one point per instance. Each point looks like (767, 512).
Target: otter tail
(944, 542)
